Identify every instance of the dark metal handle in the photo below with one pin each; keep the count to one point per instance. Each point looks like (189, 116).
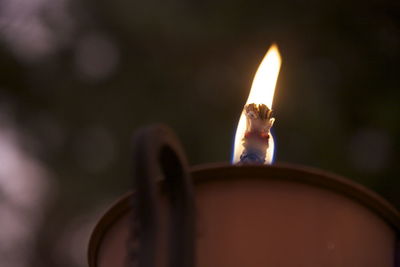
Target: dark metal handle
(159, 155)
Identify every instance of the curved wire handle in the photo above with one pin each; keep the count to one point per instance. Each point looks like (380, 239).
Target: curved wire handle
(158, 155)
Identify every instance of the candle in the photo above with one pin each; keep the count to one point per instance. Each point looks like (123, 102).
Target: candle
(233, 216)
(243, 214)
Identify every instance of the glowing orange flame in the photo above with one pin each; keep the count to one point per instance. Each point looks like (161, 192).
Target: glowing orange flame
(262, 92)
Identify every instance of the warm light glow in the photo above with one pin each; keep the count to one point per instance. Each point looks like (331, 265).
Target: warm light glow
(263, 87)
(262, 92)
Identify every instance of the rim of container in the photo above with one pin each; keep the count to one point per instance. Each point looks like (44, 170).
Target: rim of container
(289, 172)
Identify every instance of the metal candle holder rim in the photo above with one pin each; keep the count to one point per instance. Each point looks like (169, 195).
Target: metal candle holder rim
(224, 171)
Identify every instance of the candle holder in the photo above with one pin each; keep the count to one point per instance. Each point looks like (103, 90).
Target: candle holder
(221, 215)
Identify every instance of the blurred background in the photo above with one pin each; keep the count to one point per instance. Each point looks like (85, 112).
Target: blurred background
(78, 77)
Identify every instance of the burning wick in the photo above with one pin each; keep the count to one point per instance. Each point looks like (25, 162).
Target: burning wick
(254, 143)
(257, 135)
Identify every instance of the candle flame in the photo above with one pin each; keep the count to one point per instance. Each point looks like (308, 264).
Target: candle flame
(262, 92)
